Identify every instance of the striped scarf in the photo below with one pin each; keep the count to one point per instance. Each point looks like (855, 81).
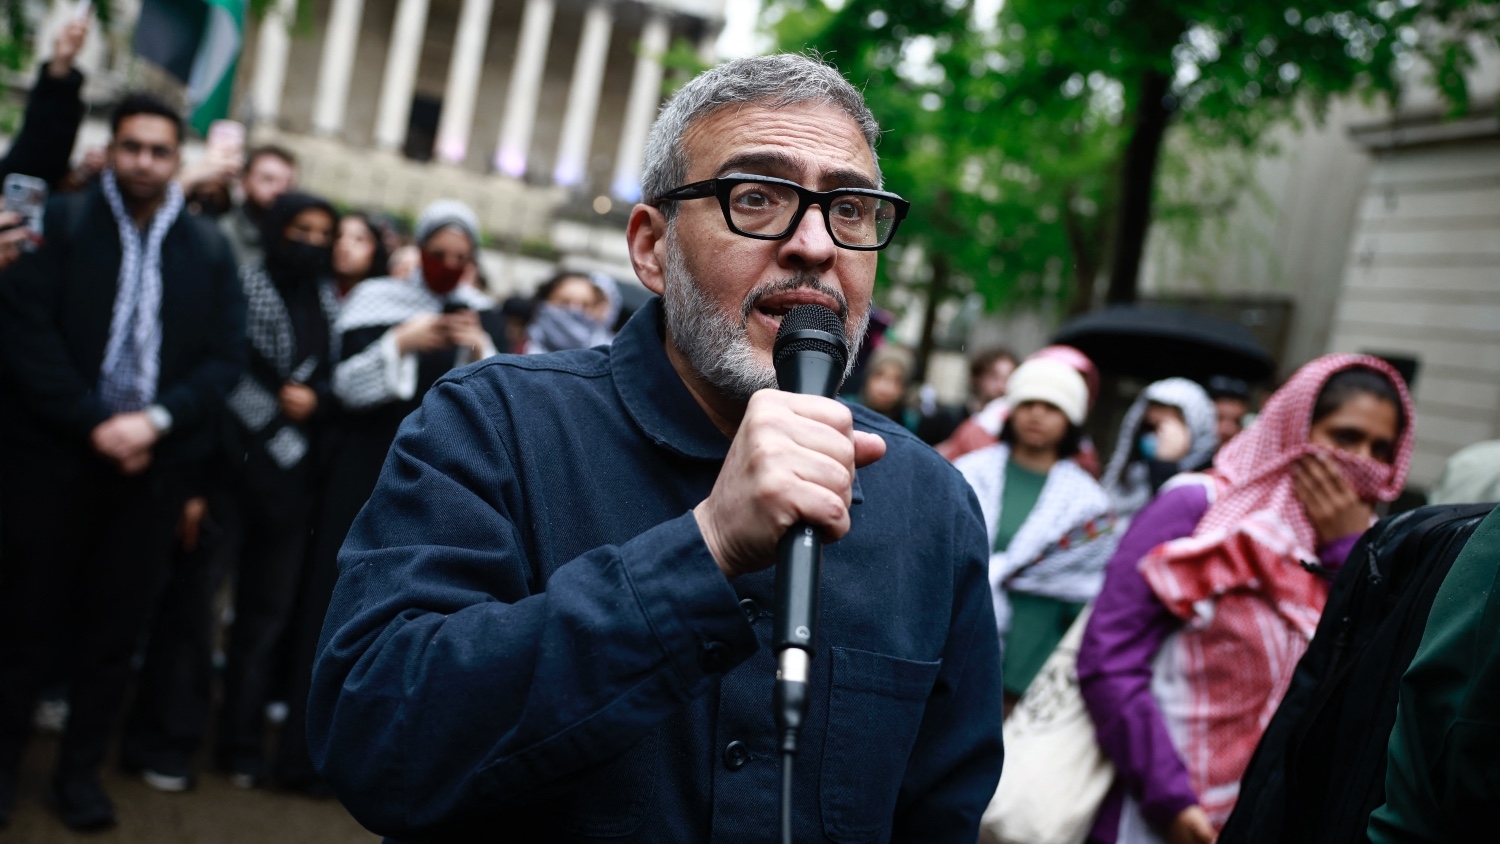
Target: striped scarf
(132, 358)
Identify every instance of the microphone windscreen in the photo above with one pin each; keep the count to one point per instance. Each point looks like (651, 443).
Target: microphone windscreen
(811, 328)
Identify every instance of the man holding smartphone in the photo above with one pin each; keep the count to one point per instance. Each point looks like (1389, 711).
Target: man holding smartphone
(45, 141)
(121, 336)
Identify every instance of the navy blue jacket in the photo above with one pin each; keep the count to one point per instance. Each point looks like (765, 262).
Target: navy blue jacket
(531, 642)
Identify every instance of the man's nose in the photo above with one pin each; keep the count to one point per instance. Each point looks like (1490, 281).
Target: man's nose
(809, 245)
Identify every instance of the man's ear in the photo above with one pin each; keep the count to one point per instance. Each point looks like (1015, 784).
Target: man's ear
(646, 236)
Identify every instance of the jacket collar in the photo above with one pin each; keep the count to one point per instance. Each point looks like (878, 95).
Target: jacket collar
(654, 394)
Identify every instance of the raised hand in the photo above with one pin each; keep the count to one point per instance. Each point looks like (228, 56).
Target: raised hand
(792, 460)
(69, 42)
(422, 333)
(1332, 505)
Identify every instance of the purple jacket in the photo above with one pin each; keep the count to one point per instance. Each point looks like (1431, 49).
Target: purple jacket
(1125, 631)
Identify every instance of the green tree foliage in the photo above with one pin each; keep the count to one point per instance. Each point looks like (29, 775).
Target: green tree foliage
(17, 30)
(1029, 140)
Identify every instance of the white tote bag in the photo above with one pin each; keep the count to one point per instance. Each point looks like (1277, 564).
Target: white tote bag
(1055, 775)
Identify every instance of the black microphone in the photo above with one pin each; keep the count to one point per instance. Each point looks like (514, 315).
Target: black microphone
(809, 355)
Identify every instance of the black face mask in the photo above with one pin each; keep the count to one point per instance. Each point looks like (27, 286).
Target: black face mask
(299, 263)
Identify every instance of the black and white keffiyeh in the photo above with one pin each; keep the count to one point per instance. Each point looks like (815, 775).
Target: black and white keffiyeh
(1063, 546)
(268, 327)
(378, 375)
(132, 357)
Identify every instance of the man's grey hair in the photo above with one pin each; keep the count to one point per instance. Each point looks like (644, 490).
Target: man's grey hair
(776, 81)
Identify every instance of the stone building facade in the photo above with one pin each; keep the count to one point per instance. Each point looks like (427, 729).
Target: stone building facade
(527, 110)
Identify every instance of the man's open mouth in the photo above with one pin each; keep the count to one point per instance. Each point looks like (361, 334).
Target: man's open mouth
(775, 312)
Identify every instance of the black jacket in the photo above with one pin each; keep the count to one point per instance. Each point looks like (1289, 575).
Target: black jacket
(44, 145)
(55, 310)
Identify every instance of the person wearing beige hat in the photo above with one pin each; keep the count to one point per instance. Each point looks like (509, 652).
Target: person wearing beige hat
(1044, 514)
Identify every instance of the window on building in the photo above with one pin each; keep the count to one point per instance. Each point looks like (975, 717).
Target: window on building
(421, 129)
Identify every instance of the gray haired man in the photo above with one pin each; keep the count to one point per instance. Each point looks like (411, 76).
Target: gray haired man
(552, 621)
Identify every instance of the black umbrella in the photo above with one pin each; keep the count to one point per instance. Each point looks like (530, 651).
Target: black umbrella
(1155, 342)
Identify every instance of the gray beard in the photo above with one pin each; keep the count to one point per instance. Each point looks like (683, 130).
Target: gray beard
(717, 344)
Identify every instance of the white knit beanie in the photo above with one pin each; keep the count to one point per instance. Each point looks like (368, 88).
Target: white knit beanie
(444, 213)
(1053, 382)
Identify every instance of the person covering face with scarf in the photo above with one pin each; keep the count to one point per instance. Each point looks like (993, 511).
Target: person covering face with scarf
(573, 311)
(1217, 587)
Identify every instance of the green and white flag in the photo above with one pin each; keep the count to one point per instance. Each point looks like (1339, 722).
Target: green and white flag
(197, 41)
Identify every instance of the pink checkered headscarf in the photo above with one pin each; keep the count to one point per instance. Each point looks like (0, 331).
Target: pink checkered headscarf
(1255, 467)
(1248, 605)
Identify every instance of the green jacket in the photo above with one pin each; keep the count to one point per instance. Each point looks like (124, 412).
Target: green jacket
(1443, 774)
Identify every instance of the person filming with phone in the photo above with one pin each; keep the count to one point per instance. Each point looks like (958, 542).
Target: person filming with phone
(38, 158)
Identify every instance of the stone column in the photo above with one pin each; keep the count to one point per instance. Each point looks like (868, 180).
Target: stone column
(337, 66)
(400, 74)
(525, 89)
(271, 51)
(583, 96)
(640, 108)
(457, 120)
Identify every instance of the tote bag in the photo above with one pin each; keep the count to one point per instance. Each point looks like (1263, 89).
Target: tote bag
(1055, 776)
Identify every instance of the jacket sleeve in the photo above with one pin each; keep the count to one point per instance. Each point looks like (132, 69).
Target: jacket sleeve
(36, 353)
(193, 400)
(1441, 780)
(955, 767)
(450, 685)
(44, 145)
(1125, 631)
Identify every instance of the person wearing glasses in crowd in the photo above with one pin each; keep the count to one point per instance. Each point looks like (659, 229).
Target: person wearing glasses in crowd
(553, 616)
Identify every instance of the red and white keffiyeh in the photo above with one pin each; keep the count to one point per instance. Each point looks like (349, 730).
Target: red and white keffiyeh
(1250, 605)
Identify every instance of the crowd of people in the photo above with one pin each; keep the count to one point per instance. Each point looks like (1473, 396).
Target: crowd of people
(208, 374)
(203, 371)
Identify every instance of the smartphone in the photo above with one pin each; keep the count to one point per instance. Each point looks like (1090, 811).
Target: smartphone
(455, 307)
(227, 138)
(27, 196)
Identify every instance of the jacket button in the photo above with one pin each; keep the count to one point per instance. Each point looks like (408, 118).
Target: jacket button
(736, 755)
(714, 658)
(750, 609)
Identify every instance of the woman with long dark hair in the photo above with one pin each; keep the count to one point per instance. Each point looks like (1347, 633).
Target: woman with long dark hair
(358, 253)
(1217, 587)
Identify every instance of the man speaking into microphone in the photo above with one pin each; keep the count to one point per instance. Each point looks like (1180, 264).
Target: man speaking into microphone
(553, 620)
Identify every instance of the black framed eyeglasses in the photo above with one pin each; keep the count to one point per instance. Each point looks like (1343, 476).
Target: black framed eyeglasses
(767, 208)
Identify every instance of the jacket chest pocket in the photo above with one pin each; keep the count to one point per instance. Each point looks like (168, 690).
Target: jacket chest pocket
(612, 801)
(875, 706)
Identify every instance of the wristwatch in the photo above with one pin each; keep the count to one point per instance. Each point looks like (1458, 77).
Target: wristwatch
(160, 417)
